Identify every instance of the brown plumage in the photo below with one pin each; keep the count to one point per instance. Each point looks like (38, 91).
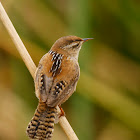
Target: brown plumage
(55, 81)
(41, 125)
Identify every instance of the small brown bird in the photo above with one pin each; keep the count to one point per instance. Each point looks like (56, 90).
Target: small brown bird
(55, 81)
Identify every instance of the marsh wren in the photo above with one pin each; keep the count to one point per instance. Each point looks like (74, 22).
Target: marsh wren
(55, 81)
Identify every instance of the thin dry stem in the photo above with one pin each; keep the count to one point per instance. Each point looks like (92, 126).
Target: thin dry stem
(31, 66)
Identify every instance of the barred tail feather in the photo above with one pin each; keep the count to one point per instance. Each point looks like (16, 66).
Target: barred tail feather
(42, 124)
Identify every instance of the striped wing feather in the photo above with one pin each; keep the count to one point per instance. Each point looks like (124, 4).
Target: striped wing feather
(56, 80)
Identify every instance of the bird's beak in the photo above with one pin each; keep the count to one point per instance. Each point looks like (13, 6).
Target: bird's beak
(86, 39)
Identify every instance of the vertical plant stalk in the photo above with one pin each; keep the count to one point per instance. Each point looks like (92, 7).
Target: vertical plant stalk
(31, 66)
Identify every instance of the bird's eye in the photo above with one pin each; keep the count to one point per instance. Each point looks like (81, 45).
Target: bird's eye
(75, 46)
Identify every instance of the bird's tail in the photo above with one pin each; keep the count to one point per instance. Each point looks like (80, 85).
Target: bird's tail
(42, 124)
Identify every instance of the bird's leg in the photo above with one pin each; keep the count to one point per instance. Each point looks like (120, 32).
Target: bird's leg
(60, 114)
(62, 111)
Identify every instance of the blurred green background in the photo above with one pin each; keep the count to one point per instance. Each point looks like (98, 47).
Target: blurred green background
(106, 104)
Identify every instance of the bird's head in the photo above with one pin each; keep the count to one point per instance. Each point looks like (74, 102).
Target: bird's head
(70, 45)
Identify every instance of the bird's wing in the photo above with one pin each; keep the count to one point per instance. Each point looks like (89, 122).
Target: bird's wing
(56, 79)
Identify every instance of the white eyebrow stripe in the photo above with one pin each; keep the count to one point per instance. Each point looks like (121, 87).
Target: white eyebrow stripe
(70, 45)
